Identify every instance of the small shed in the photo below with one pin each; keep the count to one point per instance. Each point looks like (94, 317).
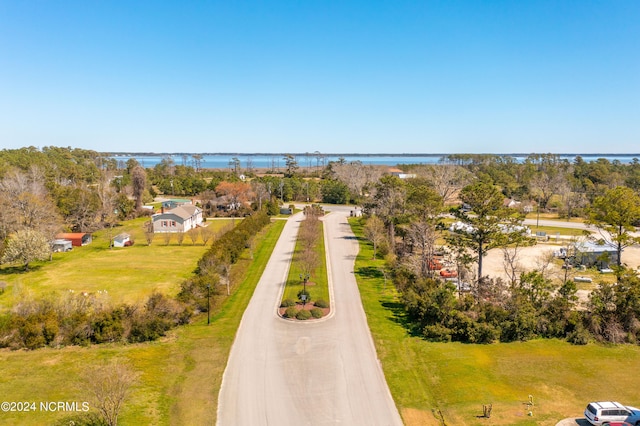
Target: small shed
(593, 254)
(122, 240)
(77, 238)
(59, 245)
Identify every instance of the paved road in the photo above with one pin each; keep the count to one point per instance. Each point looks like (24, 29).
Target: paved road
(557, 223)
(306, 373)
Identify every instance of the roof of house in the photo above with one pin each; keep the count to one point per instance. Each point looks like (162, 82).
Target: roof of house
(71, 235)
(593, 247)
(183, 212)
(186, 211)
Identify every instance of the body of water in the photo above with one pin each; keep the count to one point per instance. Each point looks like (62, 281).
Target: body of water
(309, 161)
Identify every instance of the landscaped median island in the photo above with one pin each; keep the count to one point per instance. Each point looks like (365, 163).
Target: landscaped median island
(306, 292)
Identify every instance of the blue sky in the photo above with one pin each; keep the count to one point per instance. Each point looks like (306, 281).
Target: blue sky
(329, 76)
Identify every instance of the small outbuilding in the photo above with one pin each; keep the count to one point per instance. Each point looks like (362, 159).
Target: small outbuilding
(77, 238)
(589, 253)
(60, 245)
(122, 240)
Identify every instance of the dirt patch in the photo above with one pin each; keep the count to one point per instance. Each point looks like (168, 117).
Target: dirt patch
(530, 258)
(415, 417)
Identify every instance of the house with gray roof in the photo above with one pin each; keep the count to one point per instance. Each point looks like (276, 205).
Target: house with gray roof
(180, 219)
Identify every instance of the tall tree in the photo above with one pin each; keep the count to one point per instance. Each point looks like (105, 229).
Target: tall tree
(356, 176)
(481, 227)
(388, 203)
(139, 184)
(27, 204)
(291, 165)
(447, 179)
(424, 206)
(614, 215)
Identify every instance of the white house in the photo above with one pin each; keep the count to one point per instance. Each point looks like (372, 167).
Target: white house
(180, 219)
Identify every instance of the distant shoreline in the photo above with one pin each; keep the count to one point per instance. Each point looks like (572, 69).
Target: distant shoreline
(355, 154)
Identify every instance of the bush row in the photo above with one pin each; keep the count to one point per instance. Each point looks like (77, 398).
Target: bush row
(214, 266)
(531, 308)
(80, 319)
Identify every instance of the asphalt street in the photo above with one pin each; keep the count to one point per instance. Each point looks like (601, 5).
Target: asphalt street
(322, 372)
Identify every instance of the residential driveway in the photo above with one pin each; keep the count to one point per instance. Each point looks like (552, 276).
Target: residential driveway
(325, 372)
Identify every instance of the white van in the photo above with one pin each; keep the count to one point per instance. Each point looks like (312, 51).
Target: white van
(601, 413)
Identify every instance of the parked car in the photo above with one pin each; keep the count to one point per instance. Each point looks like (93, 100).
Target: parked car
(608, 413)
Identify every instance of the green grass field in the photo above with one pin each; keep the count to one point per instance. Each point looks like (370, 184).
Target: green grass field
(552, 231)
(318, 286)
(452, 381)
(129, 274)
(180, 375)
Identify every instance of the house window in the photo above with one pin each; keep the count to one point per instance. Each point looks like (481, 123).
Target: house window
(173, 223)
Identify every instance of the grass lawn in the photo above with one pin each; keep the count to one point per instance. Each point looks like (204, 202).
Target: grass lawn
(317, 286)
(553, 216)
(129, 274)
(552, 231)
(180, 375)
(448, 383)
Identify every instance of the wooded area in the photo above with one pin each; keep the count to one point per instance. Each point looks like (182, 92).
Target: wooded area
(49, 190)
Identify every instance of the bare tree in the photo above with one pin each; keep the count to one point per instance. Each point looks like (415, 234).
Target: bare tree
(422, 236)
(180, 237)
(375, 232)
(148, 232)
(26, 204)
(193, 235)
(108, 385)
(544, 263)
(447, 179)
(260, 192)
(139, 184)
(106, 194)
(510, 261)
(206, 233)
(356, 176)
(544, 185)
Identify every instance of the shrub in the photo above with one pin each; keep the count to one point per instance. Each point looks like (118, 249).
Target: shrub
(316, 313)
(31, 334)
(484, 333)
(286, 303)
(290, 312)
(107, 327)
(321, 303)
(437, 333)
(579, 336)
(303, 314)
